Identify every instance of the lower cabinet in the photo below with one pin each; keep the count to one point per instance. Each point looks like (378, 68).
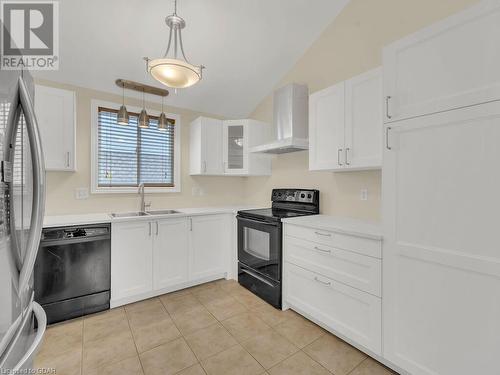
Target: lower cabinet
(209, 243)
(158, 256)
(346, 310)
(334, 278)
(131, 259)
(170, 252)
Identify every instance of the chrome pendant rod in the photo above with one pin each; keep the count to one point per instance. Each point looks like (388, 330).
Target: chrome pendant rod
(169, 43)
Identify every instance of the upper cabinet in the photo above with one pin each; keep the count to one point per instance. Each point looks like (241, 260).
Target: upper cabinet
(205, 147)
(345, 125)
(221, 148)
(238, 136)
(55, 110)
(449, 65)
(326, 128)
(363, 121)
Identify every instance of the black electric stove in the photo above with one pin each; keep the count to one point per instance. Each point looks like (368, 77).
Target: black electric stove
(260, 240)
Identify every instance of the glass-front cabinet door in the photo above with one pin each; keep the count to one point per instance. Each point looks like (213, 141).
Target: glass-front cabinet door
(234, 147)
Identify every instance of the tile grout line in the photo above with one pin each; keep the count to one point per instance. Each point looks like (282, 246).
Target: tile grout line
(184, 338)
(133, 338)
(330, 372)
(359, 364)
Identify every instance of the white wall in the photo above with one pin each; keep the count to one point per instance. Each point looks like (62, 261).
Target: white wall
(61, 185)
(352, 44)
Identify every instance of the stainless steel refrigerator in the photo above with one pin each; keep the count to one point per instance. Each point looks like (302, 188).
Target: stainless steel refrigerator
(22, 201)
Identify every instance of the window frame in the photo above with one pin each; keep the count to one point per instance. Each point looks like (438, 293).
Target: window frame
(95, 188)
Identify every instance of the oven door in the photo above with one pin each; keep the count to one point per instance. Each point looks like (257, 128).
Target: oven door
(259, 246)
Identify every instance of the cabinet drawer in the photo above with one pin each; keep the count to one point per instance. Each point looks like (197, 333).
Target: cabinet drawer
(359, 271)
(359, 245)
(348, 311)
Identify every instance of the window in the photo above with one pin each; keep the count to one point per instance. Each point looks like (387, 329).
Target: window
(127, 155)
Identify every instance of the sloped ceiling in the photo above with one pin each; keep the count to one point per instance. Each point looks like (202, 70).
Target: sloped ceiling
(246, 45)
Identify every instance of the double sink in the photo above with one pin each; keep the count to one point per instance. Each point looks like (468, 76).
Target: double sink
(144, 213)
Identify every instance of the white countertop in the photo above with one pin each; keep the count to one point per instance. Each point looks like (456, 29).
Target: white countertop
(354, 227)
(83, 219)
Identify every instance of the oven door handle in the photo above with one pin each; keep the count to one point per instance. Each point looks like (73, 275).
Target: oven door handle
(258, 277)
(257, 221)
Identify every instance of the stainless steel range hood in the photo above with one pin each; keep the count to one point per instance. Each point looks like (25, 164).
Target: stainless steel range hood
(290, 121)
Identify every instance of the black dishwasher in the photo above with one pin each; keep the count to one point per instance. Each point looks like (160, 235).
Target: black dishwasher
(73, 271)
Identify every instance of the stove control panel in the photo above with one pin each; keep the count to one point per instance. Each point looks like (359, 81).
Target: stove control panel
(295, 195)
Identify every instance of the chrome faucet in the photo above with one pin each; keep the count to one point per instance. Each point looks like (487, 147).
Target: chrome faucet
(144, 205)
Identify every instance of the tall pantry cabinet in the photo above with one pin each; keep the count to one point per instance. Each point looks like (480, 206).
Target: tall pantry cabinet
(441, 177)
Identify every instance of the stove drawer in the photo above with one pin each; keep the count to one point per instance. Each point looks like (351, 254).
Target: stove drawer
(359, 271)
(359, 245)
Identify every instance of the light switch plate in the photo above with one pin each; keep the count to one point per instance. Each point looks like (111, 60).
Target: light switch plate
(82, 193)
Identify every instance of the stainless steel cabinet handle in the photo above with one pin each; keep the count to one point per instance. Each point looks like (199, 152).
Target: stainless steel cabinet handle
(327, 283)
(387, 98)
(157, 229)
(190, 224)
(149, 225)
(38, 202)
(387, 129)
(67, 159)
(323, 234)
(322, 250)
(339, 151)
(204, 166)
(347, 156)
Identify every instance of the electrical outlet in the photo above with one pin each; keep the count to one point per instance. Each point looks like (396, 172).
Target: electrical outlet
(364, 194)
(82, 193)
(195, 191)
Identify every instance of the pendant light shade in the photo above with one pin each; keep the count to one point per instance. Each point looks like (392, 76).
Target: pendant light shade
(123, 116)
(172, 71)
(122, 112)
(143, 116)
(143, 119)
(163, 122)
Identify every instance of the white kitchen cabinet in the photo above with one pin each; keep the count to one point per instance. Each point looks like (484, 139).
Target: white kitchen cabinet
(55, 110)
(205, 147)
(210, 245)
(131, 259)
(345, 124)
(347, 311)
(160, 255)
(441, 262)
(363, 121)
(451, 64)
(238, 136)
(326, 128)
(170, 252)
(333, 277)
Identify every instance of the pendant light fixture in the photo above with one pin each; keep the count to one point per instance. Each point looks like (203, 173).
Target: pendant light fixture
(143, 117)
(122, 112)
(162, 120)
(173, 71)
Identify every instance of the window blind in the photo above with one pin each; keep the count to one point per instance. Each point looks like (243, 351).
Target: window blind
(129, 155)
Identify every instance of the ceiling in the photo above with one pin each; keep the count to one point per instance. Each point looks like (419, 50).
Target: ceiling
(247, 46)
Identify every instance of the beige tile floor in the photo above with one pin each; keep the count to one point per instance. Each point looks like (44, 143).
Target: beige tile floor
(216, 328)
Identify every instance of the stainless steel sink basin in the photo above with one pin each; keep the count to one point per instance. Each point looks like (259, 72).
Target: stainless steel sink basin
(163, 212)
(129, 214)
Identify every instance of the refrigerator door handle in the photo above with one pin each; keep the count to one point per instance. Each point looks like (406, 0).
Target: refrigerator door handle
(41, 319)
(38, 205)
(8, 157)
